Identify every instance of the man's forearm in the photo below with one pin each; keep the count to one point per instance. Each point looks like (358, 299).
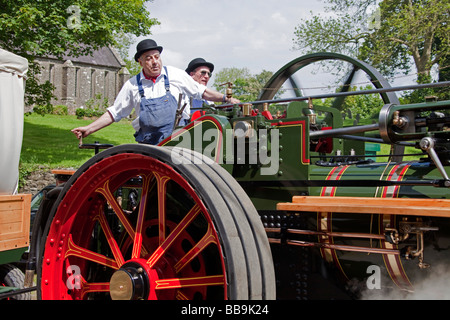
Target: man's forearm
(216, 96)
(105, 120)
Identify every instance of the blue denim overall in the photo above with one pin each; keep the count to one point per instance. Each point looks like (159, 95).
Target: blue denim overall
(196, 104)
(156, 116)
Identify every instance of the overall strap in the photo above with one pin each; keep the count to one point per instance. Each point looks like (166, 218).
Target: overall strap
(166, 80)
(139, 82)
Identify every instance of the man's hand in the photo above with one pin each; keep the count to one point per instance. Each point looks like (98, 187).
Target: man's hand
(213, 95)
(81, 132)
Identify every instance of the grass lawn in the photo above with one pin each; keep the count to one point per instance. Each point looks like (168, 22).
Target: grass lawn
(48, 141)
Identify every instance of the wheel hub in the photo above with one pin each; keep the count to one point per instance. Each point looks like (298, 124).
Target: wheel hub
(130, 282)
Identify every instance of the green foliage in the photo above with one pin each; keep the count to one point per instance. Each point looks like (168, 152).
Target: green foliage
(409, 30)
(246, 86)
(67, 26)
(32, 28)
(95, 107)
(420, 94)
(25, 169)
(389, 36)
(88, 112)
(366, 106)
(123, 43)
(50, 109)
(133, 67)
(37, 93)
(60, 110)
(43, 109)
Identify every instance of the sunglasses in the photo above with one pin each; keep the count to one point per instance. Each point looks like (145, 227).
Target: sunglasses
(204, 73)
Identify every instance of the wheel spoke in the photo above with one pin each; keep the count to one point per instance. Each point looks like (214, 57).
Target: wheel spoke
(100, 217)
(87, 287)
(137, 243)
(75, 250)
(207, 239)
(112, 201)
(189, 282)
(190, 216)
(106, 192)
(162, 183)
(181, 296)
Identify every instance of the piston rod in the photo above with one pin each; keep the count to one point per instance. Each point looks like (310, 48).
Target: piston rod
(335, 246)
(342, 131)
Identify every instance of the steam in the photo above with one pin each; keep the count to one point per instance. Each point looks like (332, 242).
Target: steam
(433, 285)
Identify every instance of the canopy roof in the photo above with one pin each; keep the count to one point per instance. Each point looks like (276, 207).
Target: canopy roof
(12, 63)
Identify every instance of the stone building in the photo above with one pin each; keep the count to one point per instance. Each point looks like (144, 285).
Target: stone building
(78, 80)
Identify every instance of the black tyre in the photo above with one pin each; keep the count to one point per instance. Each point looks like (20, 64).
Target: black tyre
(11, 276)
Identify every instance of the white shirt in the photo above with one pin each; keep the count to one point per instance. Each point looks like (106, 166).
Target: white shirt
(129, 97)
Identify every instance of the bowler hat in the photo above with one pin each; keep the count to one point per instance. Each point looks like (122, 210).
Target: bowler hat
(197, 62)
(146, 45)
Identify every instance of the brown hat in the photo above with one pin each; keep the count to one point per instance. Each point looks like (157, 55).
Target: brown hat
(146, 45)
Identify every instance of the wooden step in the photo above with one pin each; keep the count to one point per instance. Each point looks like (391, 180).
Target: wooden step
(14, 221)
(366, 205)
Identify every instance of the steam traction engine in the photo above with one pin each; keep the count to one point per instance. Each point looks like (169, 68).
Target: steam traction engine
(240, 204)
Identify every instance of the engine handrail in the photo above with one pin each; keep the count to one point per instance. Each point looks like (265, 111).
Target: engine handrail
(349, 93)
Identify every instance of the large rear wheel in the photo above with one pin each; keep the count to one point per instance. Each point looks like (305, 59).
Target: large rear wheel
(146, 222)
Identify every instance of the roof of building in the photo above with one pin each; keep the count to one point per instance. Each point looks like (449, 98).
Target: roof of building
(106, 56)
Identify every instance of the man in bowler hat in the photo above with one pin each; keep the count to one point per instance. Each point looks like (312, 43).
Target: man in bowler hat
(200, 70)
(154, 94)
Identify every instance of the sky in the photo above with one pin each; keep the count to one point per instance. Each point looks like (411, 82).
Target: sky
(253, 34)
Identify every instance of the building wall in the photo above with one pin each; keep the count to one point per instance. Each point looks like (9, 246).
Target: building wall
(79, 83)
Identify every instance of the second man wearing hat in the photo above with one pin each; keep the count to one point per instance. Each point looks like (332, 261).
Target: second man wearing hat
(200, 70)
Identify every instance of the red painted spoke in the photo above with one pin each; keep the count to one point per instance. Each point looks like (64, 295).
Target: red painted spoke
(109, 237)
(112, 201)
(162, 182)
(189, 282)
(106, 192)
(87, 287)
(137, 244)
(181, 296)
(75, 250)
(207, 239)
(190, 216)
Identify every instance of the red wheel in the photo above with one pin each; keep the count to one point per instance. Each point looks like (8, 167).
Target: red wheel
(189, 235)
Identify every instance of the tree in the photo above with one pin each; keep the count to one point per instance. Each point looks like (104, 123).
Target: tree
(366, 106)
(36, 28)
(389, 38)
(246, 86)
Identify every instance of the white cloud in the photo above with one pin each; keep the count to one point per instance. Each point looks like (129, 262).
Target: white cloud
(236, 33)
(279, 18)
(177, 59)
(253, 34)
